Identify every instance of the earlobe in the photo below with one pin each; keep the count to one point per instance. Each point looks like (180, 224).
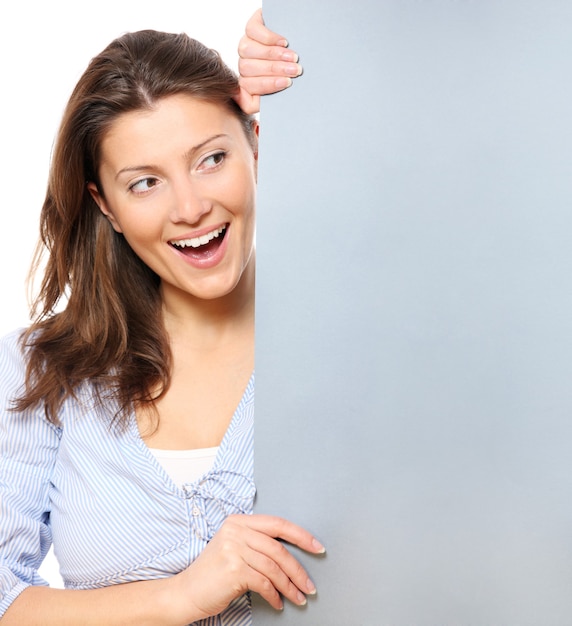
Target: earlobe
(102, 204)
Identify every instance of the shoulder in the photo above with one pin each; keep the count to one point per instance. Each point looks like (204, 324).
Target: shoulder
(19, 430)
(12, 356)
(12, 339)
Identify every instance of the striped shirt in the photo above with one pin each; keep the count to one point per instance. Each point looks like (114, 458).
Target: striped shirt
(113, 513)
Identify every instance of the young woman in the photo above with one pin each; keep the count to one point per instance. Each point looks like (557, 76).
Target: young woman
(126, 422)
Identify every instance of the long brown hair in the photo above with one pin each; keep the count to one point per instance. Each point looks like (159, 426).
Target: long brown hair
(110, 332)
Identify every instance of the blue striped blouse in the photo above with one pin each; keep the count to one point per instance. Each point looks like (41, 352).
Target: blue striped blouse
(113, 513)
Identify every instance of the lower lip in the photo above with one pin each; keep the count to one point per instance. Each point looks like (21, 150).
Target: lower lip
(208, 261)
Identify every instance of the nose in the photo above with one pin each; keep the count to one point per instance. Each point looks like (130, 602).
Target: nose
(189, 201)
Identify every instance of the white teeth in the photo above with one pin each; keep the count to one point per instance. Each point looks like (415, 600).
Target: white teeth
(195, 242)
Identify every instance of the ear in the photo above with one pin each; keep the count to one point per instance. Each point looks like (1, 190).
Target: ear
(255, 136)
(103, 207)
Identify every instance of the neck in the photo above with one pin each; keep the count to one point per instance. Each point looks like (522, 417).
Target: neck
(208, 322)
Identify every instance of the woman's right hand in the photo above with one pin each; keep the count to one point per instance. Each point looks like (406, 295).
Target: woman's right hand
(246, 555)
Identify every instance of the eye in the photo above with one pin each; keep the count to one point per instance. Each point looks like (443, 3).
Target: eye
(212, 161)
(143, 184)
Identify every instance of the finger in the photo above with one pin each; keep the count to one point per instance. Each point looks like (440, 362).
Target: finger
(278, 579)
(261, 86)
(261, 585)
(257, 67)
(247, 102)
(256, 29)
(286, 572)
(281, 528)
(251, 49)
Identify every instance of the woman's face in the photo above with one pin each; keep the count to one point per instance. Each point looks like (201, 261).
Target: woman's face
(179, 181)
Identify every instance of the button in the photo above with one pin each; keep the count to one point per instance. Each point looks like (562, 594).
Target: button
(196, 511)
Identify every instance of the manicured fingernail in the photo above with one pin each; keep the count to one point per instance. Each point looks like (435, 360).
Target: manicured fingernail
(282, 83)
(283, 43)
(310, 587)
(288, 55)
(301, 598)
(318, 547)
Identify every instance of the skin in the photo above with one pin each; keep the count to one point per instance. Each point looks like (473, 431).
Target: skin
(213, 311)
(243, 555)
(199, 177)
(266, 64)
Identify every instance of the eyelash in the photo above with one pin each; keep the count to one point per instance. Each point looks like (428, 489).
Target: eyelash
(219, 157)
(133, 186)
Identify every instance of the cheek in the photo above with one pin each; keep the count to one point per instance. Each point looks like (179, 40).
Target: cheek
(247, 217)
(241, 193)
(140, 232)
(140, 240)
(137, 223)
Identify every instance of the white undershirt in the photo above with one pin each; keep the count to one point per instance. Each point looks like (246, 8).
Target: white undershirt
(185, 466)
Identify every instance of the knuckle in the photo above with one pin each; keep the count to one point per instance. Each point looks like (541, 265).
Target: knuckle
(281, 524)
(273, 568)
(245, 66)
(243, 46)
(281, 551)
(229, 530)
(266, 587)
(298, 570)
(275, 53)
(258, 32)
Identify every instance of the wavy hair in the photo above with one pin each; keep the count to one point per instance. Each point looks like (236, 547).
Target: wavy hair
(110, 331)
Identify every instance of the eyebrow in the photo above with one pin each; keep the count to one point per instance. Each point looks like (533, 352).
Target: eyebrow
(188, 154)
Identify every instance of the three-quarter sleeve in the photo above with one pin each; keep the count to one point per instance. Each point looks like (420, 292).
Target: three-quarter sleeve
(28, 451)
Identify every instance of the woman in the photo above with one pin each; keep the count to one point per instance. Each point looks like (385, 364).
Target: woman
(126, 432)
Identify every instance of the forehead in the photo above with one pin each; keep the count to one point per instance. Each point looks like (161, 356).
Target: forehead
(176, 122)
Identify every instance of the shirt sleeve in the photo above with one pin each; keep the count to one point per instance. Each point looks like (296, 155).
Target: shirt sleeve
(28, 451)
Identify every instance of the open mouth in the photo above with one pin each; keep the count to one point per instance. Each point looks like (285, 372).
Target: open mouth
(202, 247)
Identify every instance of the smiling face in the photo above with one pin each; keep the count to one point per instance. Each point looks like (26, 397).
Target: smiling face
(179, 181)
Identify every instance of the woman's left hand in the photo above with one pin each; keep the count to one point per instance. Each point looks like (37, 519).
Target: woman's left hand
(266, 64)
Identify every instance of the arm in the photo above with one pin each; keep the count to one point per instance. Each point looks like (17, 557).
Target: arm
(140, 603)
(244, 555)
(266, 64)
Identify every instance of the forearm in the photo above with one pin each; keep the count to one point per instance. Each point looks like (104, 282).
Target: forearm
(143, 603)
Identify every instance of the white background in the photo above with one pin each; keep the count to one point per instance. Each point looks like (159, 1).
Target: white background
(44, 49)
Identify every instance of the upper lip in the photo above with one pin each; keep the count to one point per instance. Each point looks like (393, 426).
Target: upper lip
(210, 231)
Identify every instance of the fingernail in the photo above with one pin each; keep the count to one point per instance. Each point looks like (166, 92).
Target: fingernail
(283, 43)
(293, 69)
(318, 547)
(310, 587)
(301, 598)
(288, 55)
(282, 83)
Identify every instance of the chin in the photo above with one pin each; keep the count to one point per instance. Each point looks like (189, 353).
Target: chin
(215, 292)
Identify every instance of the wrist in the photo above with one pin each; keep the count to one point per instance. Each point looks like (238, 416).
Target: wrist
(176, 600)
